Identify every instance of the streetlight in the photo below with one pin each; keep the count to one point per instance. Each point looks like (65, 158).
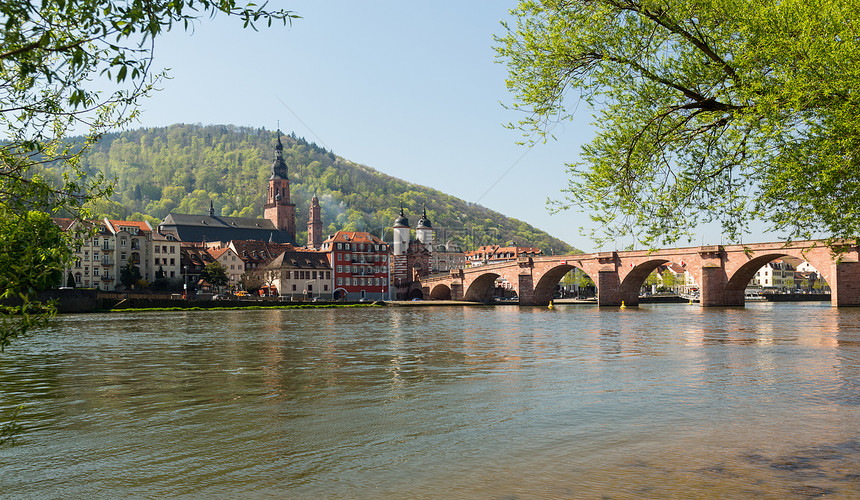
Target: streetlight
(185, 283)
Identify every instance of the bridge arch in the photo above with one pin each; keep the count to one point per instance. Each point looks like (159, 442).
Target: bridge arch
(739, 280)
(480, 287)
(440, 292)
(635, 278)
(545, 286)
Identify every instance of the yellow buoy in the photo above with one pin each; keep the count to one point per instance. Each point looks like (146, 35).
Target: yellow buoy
(550, 305)
(622, 305)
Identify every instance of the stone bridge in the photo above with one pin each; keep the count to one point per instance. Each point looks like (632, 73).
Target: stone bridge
(722, 273)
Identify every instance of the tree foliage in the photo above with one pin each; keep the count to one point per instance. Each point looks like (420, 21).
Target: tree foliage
(33, 254)
(187, 166)
(215, 274)
(130, 275)
(54, 56)
(705, 111)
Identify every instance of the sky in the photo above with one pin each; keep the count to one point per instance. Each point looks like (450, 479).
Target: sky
(411, 89)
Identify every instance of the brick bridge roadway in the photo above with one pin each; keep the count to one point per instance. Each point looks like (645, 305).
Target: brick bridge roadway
(722, 273)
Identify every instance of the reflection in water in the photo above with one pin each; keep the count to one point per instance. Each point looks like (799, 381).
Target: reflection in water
(656, 401)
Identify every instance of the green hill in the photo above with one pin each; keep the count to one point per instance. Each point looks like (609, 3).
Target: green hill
(181, 168)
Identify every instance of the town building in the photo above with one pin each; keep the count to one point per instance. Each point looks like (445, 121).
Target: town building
(194, 257)
(775, 276)
(360, 265)
(298, 274)
(232, 264)
(254, 254)
(98, 262)
(447, 256)
(165, 256)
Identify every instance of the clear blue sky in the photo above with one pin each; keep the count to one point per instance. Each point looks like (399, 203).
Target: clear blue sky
(411, 89)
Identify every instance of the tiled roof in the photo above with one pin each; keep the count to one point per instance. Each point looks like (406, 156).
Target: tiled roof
(259, 251)
(216, 253)
(63, 222)
(300, 260)
(353, 237)
(140, 225)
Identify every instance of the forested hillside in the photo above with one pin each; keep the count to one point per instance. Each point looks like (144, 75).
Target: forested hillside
(181, 168)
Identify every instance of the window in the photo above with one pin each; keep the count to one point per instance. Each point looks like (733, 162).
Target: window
(172, 261)
(78, 263)
(314, 275)
(338, 246)
(86, 255)
(86, 271)
(310, 287)
(294, 288)
(122, 256)
(78, 278)
(95, 271)
(347, 281)
(346, 269)
(172, 249)
(122, 241)
(95, 256)
(340, 281)
(172, 274)
(339, 269)
(328, 275)
(325, 288)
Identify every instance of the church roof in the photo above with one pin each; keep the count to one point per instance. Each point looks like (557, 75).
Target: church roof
(189, 227)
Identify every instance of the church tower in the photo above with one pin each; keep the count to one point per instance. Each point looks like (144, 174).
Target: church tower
(278, 208)
(314, 224)
(424, 231)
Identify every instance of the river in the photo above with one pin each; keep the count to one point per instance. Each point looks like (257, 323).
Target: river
(661, 401)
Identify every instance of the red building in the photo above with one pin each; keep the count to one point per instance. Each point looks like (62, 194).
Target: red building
(359, 262)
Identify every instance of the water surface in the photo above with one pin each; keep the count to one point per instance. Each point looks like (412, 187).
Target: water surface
(466, 402)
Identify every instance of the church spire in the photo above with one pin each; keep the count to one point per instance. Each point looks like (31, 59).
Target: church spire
(279, 167)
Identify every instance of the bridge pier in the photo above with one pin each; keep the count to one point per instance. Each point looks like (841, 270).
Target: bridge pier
(845, 288)
(456, 291)
(713, 288)
(608, 287)
(526, 290)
